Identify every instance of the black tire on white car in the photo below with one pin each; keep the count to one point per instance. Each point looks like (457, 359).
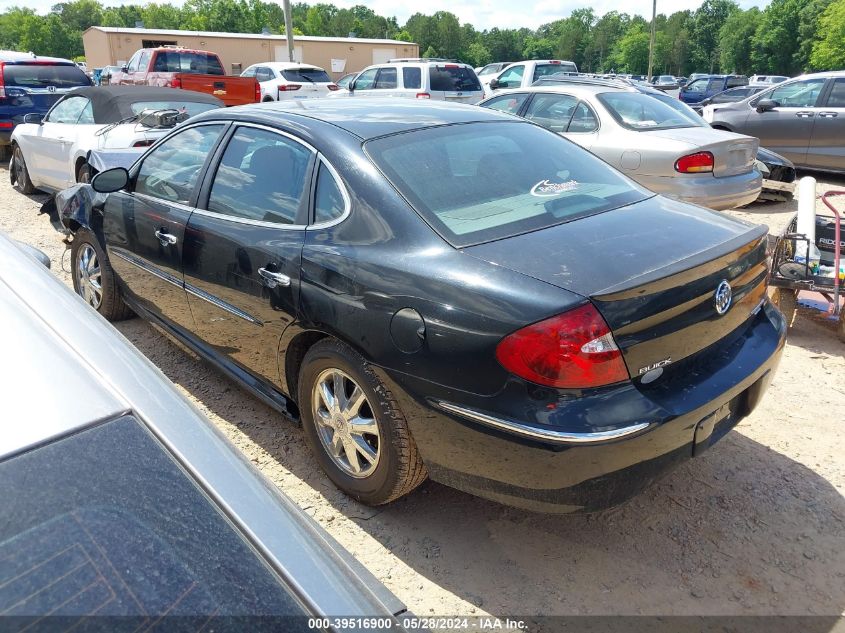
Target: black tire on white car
(21, 174)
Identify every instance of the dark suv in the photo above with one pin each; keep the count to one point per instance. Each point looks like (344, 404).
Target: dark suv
(29, 83)
(705, 87)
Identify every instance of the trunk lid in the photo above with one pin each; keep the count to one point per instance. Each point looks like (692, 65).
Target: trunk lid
(652, 269)
(732, 153)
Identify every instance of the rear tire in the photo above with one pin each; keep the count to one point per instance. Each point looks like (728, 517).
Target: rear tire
(93, 277)
(22, 179)
(333, 378)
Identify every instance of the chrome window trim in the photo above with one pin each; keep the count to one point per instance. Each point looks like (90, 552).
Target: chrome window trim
(223, 305)
(546, 435)
(230, 218)
(347, 201)
(153, 200)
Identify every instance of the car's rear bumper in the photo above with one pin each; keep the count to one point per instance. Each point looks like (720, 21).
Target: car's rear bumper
(512, 458)
(706, 190)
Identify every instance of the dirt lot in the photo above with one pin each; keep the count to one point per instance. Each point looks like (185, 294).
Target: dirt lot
(754, 526)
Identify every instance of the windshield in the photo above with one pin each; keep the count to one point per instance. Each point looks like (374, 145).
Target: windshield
(640, 112)
(313, 75)
(187, 62)
(480, 182)
(44, 75)
(189, 107)
(489, 69)
(452, 78)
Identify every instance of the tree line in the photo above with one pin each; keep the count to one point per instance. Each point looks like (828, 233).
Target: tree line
(787, 37)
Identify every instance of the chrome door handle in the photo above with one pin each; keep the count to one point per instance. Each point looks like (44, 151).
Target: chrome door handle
(271, 279)
(165, 238)
(804, 114)
(827, 115)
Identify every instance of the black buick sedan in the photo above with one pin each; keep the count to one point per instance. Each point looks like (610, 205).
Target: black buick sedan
(439, 291)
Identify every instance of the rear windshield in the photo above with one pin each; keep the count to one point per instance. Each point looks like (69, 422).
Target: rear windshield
(187, 62)
(453, 78)
(314, 75)
(189, 107)
(106, 523)
(44, 75)
(681, 108)
(638, 111)
(481, 182)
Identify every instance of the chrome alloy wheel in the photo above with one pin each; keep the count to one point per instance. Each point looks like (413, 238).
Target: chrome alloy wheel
(89, 276)
(345, 423)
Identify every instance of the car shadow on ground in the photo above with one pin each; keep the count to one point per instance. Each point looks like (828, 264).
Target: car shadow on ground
(742, 529)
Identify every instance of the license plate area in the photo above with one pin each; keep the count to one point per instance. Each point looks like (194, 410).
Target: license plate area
(716, 425)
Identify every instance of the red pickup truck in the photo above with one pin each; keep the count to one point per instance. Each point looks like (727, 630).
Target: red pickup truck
(176, 67)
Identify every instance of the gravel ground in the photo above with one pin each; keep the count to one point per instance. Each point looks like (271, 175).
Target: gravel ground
(753, 526)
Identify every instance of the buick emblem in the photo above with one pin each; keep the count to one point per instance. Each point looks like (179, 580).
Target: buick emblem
(722, 297)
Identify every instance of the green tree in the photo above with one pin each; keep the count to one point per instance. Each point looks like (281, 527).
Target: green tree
(735, 41)
(829, 51)
(478, 55)
(809, 31)
(633, 50)
(707, 23)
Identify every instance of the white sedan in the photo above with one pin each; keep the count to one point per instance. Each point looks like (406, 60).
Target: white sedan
(282, 81)
(51, 153)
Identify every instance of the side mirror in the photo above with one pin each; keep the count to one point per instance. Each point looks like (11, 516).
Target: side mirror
(494, 84)
(124, 69)
(110, 180)
(32, 117)
(765, 105)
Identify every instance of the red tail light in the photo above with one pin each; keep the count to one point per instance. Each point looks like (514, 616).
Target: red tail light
(695, 163)
(257, 92)
(2, 85)
(176, 82)
(423, 95)
(289, 87)
(333, 87)
(6, 125)
(573, 350)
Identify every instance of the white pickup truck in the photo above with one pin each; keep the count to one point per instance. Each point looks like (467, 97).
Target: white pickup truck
(523, 74)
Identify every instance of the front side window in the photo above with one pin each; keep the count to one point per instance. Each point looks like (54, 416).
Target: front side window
(67, 110)
(87, 115)
(366, 80)
(171, 170)
(512, 77)
(552, 111)
(144, 60)
(132, 66)
(480, 182)
(798, 94)
(386, 79)
(699, 85)
(638, 111)
(329, 203)
(261, 177)
(412, 77)
(507, 103)
(715, 85)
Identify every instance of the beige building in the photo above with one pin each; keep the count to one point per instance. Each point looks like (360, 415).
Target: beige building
(105, 46)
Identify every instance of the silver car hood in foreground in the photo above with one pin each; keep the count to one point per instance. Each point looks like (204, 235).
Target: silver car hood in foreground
(66, 368)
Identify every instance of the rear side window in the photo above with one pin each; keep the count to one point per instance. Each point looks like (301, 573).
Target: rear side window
(412, 77)
(453, 78)
(187, 62)
(263, 74)
(105, 523)
(170, 171)
(261, 177)
(44, 76)
(543, 70)
(480, 182)
(305, 75)
(836, 98)
(329, 204)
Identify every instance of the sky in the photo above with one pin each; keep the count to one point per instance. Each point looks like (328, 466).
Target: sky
(483, 14)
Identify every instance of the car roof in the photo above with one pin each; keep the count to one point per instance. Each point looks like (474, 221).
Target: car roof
(112, 103)
(13, 57)
(365, 117)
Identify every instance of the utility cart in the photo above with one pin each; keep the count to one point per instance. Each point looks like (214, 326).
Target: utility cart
(793, 272)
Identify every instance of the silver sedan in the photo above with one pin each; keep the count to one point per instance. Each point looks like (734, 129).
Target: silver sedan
(654, 139)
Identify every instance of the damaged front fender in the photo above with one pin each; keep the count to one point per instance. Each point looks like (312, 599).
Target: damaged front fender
(80, 207)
